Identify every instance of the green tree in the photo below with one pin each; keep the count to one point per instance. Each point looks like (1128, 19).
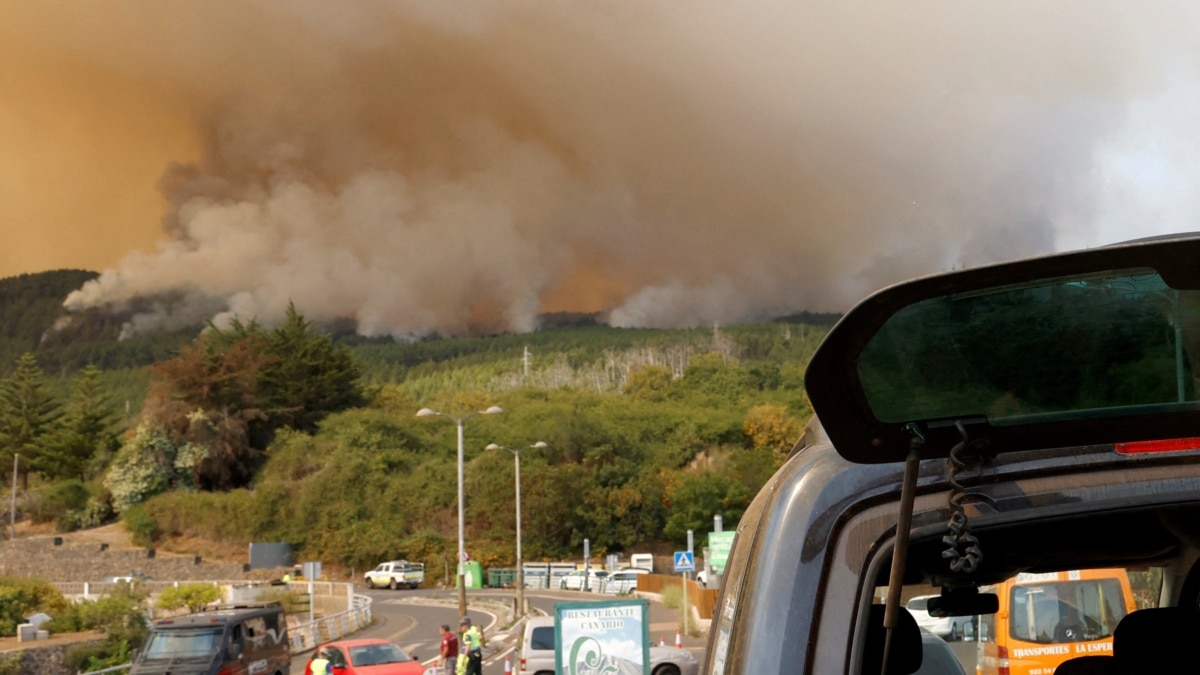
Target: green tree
(770, 426)
(695, 498)
(86, 430)
(308, 376)
(28, 413)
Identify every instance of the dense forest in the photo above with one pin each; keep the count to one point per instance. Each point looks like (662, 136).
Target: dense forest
(291, 433)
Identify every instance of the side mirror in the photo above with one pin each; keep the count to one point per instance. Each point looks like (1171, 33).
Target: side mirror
(963, 602)
(235, 651)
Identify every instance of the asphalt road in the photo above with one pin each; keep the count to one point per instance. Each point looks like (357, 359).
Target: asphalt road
(411, 619)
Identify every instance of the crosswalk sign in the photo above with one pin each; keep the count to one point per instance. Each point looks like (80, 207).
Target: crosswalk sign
(684, 561)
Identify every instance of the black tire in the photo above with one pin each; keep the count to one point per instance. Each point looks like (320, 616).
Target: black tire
(392, 584)
(666, 669)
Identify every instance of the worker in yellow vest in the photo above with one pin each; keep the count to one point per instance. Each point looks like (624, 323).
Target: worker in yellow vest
(321, 665)
(472, 644)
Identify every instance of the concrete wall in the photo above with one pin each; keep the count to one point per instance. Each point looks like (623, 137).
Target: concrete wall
(71, 561)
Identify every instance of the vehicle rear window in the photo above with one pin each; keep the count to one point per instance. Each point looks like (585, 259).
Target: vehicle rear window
(918, 604)
(1067, 611)
(542, 638)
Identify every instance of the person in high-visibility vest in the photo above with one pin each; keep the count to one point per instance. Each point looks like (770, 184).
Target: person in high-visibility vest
(472, 642)
(320, 665)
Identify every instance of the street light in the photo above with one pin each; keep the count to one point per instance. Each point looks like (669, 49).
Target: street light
(517, 470)
(462, 550)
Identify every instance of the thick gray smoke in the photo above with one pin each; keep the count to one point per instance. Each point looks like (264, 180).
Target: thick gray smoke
(460, 167)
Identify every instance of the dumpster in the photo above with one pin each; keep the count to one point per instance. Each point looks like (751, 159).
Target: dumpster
(472, 573)
(502, 577)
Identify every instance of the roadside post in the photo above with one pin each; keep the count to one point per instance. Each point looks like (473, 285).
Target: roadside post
(685, 562)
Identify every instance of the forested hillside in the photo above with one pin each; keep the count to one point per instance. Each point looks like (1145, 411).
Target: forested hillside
(287, 434)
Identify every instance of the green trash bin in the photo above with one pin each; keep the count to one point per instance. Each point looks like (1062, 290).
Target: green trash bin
(502, 577)
(472, 573)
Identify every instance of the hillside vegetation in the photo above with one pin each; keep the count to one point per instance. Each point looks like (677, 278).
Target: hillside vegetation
(287, 434)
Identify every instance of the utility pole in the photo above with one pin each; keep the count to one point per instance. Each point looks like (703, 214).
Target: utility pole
(12, 515)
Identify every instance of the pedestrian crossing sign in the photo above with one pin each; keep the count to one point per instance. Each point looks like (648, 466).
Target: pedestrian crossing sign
(684, 561)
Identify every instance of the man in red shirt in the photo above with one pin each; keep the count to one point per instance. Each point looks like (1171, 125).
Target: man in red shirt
(449, 653)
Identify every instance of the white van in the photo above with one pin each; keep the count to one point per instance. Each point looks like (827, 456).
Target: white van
(643, 561)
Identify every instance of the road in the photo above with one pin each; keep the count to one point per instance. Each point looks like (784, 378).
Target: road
(411, 620)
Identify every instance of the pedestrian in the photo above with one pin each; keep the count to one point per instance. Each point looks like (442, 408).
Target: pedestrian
(448, 657)
(320, 665)
(472, 643)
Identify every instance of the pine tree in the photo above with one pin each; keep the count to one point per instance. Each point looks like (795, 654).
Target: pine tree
(309, 376)
(86, 432)
(28, 413)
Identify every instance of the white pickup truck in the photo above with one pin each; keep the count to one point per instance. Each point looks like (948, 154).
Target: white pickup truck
(396, 573)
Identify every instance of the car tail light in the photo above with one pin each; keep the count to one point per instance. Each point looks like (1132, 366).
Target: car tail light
(1161, 445)
(1002, 661)
(522, 664)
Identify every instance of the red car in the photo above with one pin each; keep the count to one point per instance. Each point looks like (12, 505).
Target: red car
(367, 657)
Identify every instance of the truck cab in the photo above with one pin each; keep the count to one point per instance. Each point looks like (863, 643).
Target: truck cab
(1034, 418)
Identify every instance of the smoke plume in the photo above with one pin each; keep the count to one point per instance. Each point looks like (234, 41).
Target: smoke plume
(455, 168)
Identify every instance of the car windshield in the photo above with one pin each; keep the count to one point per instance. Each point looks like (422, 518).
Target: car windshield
(373, 655)
(182, 643)
(1059, 349)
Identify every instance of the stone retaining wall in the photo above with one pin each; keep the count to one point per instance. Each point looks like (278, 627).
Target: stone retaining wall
(78, 561)
(45, 660)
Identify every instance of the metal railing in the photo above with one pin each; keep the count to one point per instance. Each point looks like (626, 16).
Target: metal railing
(307, 636)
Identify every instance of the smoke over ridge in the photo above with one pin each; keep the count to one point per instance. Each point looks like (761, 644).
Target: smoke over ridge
(423, 167)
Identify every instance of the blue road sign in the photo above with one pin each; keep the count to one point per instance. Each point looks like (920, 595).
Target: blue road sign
(685, 561)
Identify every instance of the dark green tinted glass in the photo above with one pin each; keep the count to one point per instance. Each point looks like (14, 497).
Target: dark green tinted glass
(1068, 347)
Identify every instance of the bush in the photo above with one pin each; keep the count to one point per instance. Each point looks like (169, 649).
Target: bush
(291, 603)
(193, 596)
(119, 615)
(10, 663)
(58, 499)
(20, 597)
(143, 529)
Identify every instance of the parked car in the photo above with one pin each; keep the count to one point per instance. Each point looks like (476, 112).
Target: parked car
(367, 657)
(537, 652)
(622, 582)
(574, 581)
(1033, 417)
(951, 628)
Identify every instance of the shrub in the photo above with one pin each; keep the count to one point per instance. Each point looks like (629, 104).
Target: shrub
(60, 498)
(10, 663)
(193, 596)
(143, 529)
(20, 597)
(291, 603)
(119, 615)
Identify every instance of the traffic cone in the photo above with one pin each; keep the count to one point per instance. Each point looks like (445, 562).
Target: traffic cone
(662, 641)
(678, 640)
(507, 665)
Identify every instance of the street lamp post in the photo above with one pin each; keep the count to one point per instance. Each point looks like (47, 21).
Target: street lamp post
(462, 549)
(520, 565)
